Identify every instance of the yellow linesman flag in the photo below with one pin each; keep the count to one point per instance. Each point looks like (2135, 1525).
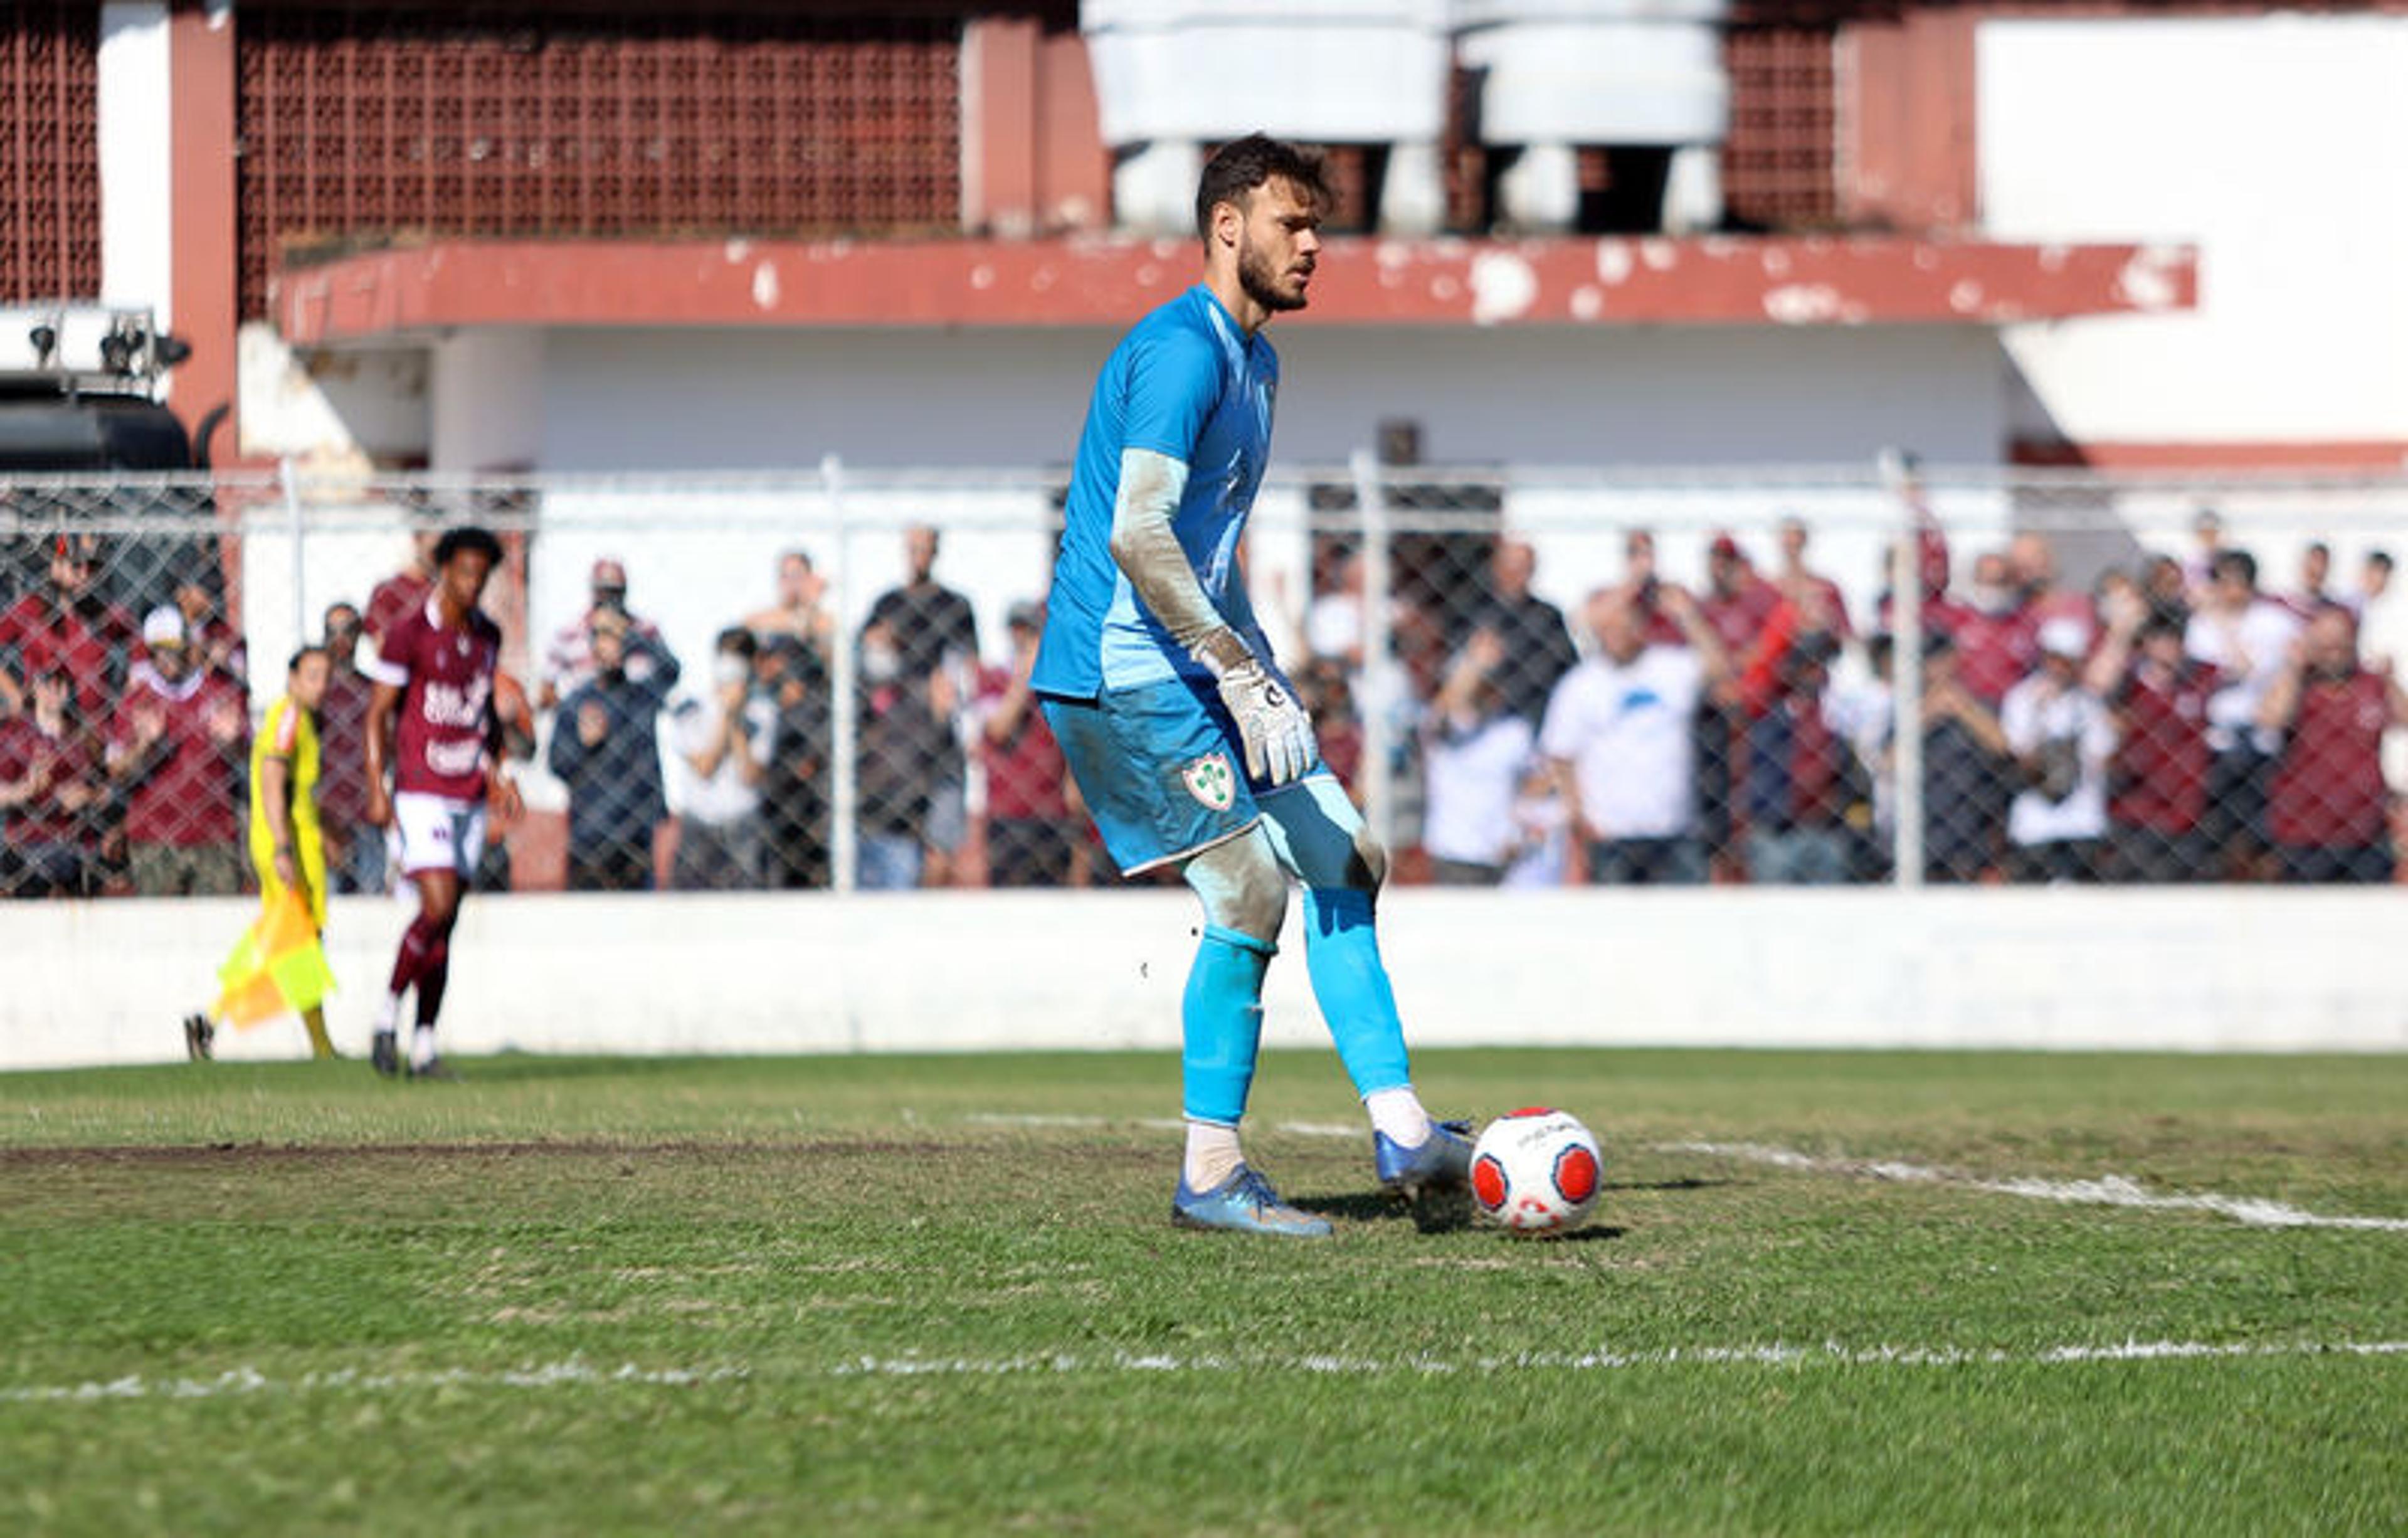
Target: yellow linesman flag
(277, 967)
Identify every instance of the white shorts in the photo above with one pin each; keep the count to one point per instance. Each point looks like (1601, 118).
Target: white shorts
(437, 833)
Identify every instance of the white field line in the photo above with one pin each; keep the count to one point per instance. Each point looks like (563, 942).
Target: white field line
(247, 1380)
(2106, 1191)
(578, 1373)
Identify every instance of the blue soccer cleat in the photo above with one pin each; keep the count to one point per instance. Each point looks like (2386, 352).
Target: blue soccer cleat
(1244, 1203)
(1442, 1164)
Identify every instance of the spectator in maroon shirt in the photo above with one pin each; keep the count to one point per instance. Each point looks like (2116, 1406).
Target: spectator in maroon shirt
(1737, 602)
(1817, 599)
(1643, 590)
(355, 845)
(1932, 563)
(68, 625)
(176, 750)
(1939, 611)
(2031, 564)
(2156, 782)
(1737, 605)
(1997, 633)
(215, 643)
(1030, 836)
(2328, 808)
(404, 592)
(51, 787)
(1803, 782)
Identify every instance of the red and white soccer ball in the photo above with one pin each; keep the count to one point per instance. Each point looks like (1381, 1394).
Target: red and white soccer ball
(1536, 1171)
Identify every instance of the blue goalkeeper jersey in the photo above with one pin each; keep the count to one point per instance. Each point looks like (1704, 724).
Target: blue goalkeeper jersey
(1188, 384)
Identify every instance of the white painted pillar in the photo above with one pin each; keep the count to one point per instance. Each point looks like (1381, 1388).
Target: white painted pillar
(1540, 193)
(136, 248)
(1154, 189)
(1412, 195)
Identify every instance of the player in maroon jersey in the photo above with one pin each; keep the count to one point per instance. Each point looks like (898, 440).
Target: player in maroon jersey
(432, 730)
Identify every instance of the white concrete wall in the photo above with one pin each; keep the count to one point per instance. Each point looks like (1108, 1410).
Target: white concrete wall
(951, 401)
(2204, 969)
(485, 400)
(347, 409)
(1670, 396)
(2275, 143)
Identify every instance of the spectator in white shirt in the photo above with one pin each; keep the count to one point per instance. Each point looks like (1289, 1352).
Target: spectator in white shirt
(723, 741)
(1477, 754)
(2246, 636)
(1620, 737)
(2062, 737)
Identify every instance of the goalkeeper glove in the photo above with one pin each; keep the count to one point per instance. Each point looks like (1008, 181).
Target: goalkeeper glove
(1272, 725)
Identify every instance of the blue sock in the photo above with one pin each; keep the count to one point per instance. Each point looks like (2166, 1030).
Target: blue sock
(1341, 954)
(1221, 1017)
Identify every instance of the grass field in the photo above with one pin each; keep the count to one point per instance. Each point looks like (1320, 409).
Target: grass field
(1825, 1293)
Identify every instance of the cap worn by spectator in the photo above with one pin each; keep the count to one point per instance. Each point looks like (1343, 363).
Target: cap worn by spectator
(2065, 637)
(164, 626)
(1724, 547)
(610, 575)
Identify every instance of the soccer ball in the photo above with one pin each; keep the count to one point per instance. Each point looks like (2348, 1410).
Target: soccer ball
(1536, 1171)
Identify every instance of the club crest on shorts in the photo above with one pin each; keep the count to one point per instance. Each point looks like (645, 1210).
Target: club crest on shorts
(1211, 780)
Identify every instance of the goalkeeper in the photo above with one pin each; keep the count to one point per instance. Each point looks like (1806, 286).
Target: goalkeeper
(1187, 742)
(287, 847)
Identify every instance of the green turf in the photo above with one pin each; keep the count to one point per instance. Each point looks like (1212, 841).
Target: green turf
(939, 1295)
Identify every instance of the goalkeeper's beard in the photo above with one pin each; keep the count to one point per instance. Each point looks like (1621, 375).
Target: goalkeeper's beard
(1256, 276)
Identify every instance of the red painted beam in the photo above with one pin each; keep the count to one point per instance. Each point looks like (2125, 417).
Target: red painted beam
(202, 226)
(1564, 281)
(2343, 456)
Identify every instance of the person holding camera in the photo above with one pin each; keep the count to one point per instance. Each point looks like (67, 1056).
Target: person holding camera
(2062, 737)
(605, 751)
(568, 663)
(723, 739)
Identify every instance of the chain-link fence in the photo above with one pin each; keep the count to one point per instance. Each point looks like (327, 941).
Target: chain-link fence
(1528, 678)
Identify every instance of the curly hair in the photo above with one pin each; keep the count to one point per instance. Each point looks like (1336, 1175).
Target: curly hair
(1243, 164)
(466, 537)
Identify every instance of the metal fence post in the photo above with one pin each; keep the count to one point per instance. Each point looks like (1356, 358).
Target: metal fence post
(290, 484)
(1906, 675)
(843, 713)
(1379, 683)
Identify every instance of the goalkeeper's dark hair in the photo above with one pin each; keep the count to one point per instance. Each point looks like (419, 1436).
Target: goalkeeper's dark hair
(1243, 164)
(467, 536)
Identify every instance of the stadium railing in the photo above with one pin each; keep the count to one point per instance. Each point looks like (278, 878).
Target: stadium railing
(1528, 675)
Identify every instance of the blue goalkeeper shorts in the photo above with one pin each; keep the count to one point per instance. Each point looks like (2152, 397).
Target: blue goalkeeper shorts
(1161, 768)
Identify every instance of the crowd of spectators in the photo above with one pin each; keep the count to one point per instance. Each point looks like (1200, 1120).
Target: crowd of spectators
(2174, 721)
